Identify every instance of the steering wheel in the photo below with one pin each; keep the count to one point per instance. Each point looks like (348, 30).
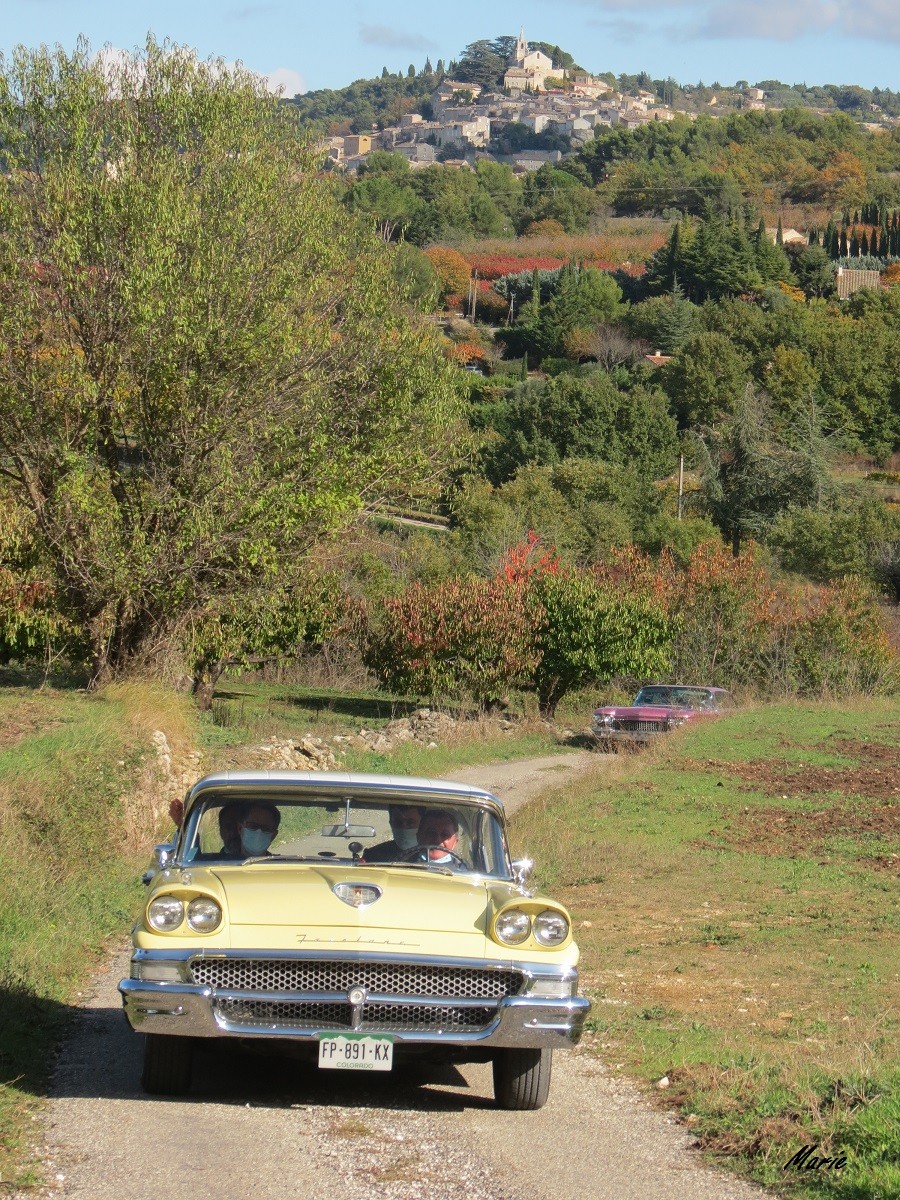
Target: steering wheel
(411, 855)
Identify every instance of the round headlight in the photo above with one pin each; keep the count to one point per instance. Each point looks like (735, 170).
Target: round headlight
(550, 928)
(513, 926)
(165, 913)
(204, 914)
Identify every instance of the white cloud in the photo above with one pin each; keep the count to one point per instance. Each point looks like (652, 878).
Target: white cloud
(286, 81)
(395, 39)
(771, 20)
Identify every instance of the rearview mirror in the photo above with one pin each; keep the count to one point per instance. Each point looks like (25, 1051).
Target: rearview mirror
(348, 831)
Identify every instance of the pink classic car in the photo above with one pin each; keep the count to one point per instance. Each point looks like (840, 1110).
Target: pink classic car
(658, 708)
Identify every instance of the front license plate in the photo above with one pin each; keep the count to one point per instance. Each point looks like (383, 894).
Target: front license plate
(355, 1052)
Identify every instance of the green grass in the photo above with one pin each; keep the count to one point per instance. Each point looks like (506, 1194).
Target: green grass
(735, 943)
(73, 838)
(246, 711)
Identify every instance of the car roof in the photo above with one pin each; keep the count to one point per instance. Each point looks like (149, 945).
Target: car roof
(383, 787)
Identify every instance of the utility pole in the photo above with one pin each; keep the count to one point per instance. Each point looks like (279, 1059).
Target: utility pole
(680, 485)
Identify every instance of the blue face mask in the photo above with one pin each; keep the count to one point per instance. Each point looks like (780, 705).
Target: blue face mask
(256, 841)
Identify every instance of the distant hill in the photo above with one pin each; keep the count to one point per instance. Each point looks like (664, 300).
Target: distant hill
(383, 100)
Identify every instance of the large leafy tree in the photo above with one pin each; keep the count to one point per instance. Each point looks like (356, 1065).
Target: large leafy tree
(545, 421)
(205, 365)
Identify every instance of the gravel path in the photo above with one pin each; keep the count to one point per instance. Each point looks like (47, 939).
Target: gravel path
(274, 1129)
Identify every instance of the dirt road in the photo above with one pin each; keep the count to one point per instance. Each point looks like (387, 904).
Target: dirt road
(273, 1129)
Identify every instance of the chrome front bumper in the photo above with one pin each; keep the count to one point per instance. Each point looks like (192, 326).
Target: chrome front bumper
(193, 1010)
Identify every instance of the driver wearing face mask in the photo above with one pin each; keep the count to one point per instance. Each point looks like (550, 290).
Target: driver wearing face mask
(257, 829)
(404, 819)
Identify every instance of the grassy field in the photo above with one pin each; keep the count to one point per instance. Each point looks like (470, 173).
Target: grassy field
(77, 814)
(247, 710)
(737, 905)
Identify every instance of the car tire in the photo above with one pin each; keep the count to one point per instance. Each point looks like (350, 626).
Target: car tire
(168, 1063)
(522, 1078)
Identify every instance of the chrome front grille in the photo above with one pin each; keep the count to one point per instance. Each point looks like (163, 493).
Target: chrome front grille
(409, 980)
(641, 726)
(412, 1018)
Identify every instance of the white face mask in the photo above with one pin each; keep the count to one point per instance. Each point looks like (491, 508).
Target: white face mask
(406, 839)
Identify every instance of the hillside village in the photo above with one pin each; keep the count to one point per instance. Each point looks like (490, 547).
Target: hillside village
(467, 120)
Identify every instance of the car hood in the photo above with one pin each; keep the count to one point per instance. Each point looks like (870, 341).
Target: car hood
(645, 712)
(296, 896)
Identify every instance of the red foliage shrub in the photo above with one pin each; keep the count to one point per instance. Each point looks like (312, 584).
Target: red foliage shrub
(465, 636)
(493, 266)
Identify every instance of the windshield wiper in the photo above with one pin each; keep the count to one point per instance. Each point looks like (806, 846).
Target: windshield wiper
(412, 866)
(278, 858)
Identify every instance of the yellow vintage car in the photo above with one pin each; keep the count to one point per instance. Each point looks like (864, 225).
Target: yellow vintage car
(361, 919)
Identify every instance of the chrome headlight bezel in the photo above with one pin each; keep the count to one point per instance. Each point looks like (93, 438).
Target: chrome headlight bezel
(550, 927)
(213, 910)
(517, 924)
(165, 913)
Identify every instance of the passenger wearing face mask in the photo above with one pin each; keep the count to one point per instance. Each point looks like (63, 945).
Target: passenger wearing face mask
(404, 819)
(257, 829)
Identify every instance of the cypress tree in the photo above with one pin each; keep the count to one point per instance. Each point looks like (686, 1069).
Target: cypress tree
(864, 244)
(844, 249)
(873, 243)
(854, 244)
(779, 234)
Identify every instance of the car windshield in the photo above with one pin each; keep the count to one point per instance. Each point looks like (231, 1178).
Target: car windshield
(676, 697)
(411, 834)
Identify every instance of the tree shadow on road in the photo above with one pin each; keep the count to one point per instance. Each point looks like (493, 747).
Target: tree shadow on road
(101, 1056)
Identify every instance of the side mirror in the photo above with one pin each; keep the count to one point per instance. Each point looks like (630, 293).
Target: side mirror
(163, 854)
(522, 871)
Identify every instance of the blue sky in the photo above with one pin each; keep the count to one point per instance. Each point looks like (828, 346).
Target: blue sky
(307, 44)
